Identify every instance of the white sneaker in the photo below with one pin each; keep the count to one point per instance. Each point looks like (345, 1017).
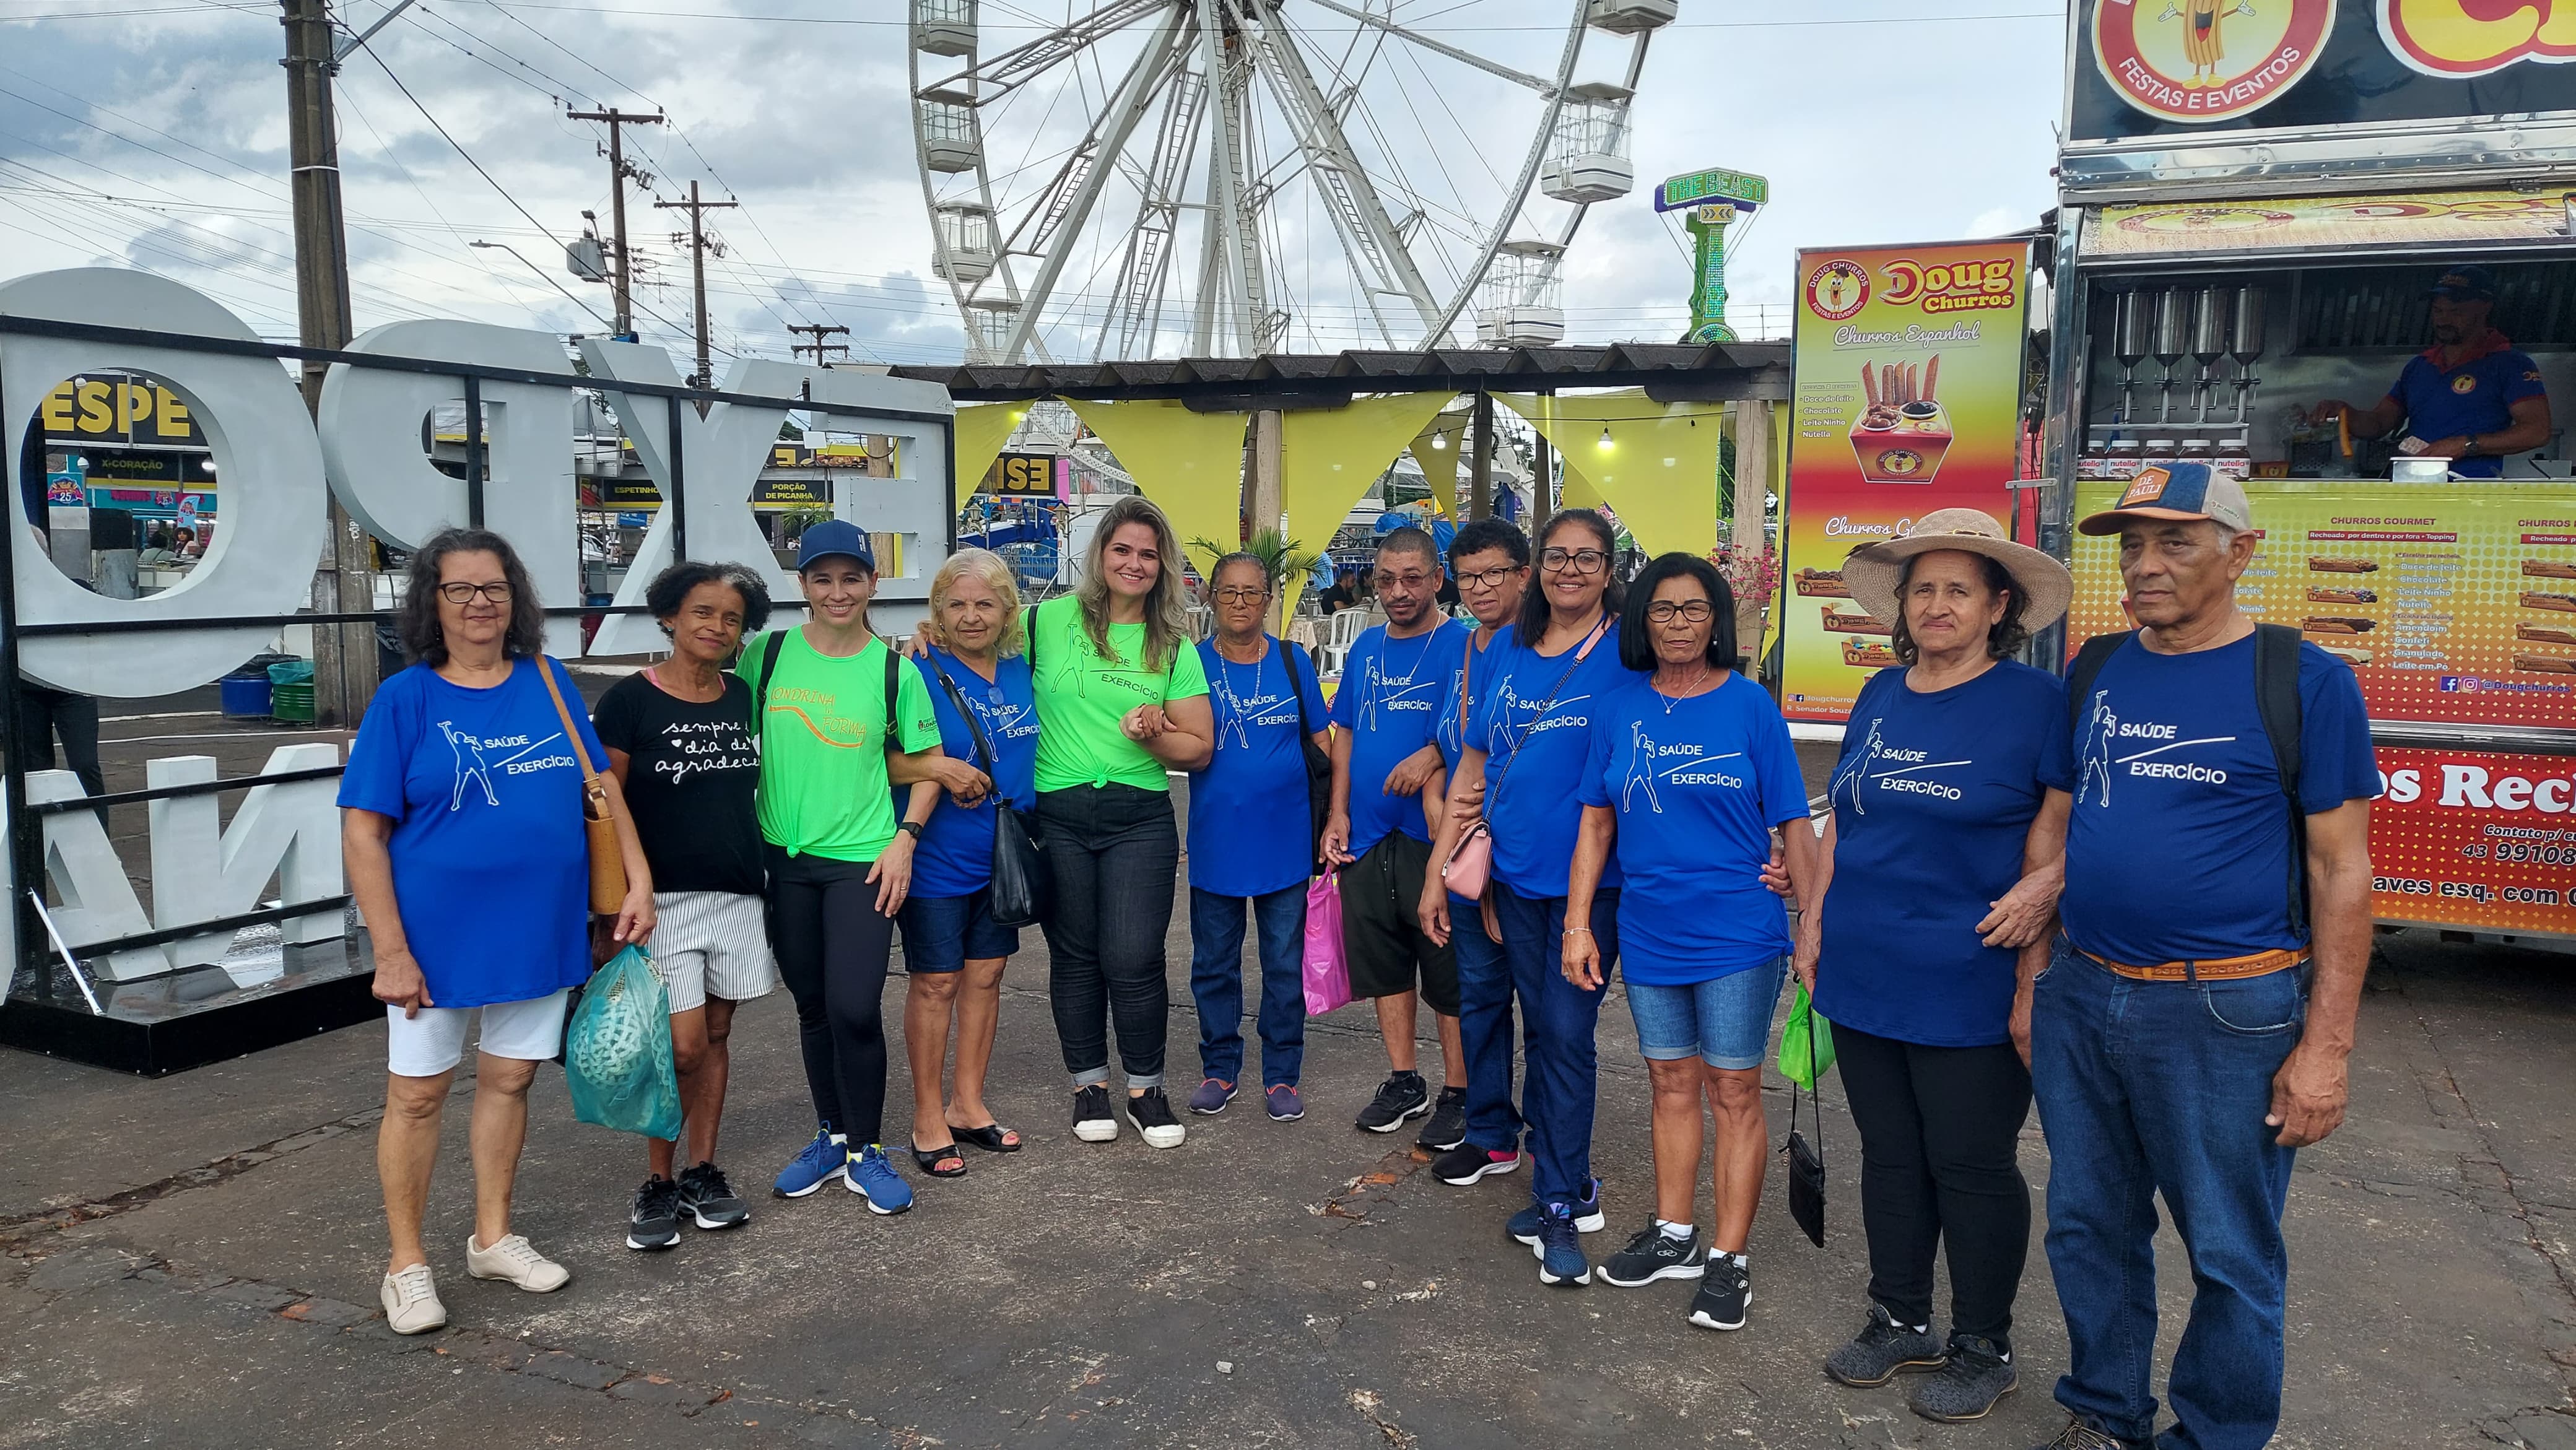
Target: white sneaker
(516, 1260)
(411, 1302)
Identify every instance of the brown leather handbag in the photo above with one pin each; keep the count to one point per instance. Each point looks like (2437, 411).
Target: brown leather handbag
(598, 817)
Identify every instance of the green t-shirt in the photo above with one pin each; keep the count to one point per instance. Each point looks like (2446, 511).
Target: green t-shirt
(823, 785)
(1082, 697)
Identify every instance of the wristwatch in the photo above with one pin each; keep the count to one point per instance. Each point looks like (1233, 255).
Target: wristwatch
(2472, 441)
(911, 828)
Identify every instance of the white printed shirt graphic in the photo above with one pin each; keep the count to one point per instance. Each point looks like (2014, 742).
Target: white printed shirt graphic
(1241, 714)
(1880, 762)
(1393, 693)
(2098, 759)
(473, 766)
(1649, 763)
(1505, 741)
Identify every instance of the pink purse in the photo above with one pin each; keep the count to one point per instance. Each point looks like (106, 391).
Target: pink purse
(1470, 867)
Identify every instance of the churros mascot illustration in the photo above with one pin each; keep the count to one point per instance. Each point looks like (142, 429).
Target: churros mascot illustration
(2201, 43)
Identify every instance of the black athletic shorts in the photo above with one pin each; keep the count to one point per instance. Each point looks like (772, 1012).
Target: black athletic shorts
(1382, 928)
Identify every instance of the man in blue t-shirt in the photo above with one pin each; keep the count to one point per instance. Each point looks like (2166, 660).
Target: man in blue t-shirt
(2470, 397)
(2192, 1027)
(1386, 785)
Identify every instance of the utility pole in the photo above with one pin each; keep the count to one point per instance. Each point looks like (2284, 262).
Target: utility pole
(818, 346)
(618, 173)
(344, 656)
(698, 247)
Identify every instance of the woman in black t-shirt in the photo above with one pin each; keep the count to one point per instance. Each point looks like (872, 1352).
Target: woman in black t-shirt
(680, 741)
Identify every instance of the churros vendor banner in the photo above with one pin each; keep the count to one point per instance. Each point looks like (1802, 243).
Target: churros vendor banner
(1907, 399)
(2476, 840)
(2455, 603)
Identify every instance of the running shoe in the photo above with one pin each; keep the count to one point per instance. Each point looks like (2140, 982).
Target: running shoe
(873, 1178)
(708, 1200)
(1883, 1350)
(821, 1160)
(1468, 1163)
(653, 1221)
(1448, 1125)
(1977, 1374)
(1560, 1248)
(1401, 1096)
(1587, 1217)
(1723, 1294)
(1654, 1254)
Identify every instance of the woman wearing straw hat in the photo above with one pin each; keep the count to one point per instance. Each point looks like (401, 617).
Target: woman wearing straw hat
(1924, 964)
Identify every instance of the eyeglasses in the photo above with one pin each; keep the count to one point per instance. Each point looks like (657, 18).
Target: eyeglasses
(496, 592)
(1581, 561)
(1414, 580)
(1664, 611)
(1242, 596)
(1489, 578)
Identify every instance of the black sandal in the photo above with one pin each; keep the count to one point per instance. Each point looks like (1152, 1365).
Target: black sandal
(992, 1138)
(931, 1158)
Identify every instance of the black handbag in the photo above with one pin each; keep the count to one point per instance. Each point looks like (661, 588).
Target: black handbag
(1807, 1160)
(1319, 764)
(1023, 885)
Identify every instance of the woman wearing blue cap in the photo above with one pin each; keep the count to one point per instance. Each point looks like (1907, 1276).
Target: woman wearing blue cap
(831, 700)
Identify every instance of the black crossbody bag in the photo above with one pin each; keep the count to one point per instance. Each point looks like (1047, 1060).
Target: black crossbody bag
(1023, 884)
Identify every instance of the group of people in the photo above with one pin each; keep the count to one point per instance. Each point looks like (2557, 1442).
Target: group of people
(1575, 781)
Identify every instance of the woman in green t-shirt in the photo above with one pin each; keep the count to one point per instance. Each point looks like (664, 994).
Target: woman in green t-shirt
(1122, 698)
(839, 863)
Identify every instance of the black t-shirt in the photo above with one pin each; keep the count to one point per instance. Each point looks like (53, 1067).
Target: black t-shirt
(692, 771)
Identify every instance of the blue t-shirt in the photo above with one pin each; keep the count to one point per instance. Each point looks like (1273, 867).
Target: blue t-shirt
(491, 863)
(1249, 821)
(1390, 701)
(2179, 847)
(1697, 785)
(1533, 719)
(2475, 397)
(1474, 664)
(1933, 799)
(955, 854)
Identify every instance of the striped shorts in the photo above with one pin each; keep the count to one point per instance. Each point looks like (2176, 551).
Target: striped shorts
(710, 944)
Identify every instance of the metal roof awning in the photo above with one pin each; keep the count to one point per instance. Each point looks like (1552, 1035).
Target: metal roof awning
(1669, 373)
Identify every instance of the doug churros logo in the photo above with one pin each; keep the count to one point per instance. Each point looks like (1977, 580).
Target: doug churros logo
(2199, 61)
(2458, 39)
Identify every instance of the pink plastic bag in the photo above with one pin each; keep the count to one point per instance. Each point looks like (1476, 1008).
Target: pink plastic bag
(1328, 970)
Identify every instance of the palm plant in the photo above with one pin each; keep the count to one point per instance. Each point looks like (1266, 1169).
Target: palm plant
(1282, 558)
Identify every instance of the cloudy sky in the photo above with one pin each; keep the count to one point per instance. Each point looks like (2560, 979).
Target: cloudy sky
(152, 134)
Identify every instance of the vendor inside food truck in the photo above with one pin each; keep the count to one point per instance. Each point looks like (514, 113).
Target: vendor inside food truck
(2470, 397)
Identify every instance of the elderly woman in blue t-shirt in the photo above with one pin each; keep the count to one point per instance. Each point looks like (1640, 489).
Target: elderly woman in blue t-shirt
(1690, 769)
(1933, 925)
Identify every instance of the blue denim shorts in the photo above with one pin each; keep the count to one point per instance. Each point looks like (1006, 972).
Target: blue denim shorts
(1726, 1020)
(944, 933)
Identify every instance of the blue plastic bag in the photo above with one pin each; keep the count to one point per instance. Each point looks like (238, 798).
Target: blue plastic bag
(617, 1050)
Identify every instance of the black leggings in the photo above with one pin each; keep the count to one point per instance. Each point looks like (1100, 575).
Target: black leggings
(1114, 850)
(832, 943)
(1939, 1128)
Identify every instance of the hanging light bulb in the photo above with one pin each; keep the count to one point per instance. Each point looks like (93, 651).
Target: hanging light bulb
(1605, 435)
(1439, 440)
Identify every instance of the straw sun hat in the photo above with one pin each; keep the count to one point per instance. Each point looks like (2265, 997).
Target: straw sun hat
(1871, 573)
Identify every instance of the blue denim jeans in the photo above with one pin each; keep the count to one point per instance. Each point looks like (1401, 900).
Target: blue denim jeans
(2161, 1087)
(1484, 1028)
(1216, 982)
(1563, 1061)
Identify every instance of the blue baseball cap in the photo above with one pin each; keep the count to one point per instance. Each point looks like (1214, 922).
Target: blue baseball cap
(2465, 283)
(830, 538)
(2176, 492)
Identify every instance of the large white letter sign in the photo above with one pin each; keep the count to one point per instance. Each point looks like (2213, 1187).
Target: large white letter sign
(915, 506)
(371, 426)
(721, 461)
(202, 871)
(274, 524)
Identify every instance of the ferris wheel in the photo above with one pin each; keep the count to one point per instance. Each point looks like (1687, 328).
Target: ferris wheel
(1127, 179)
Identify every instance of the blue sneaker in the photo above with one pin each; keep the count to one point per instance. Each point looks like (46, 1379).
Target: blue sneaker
(871, 1177)
(1588, 1217)
(1560, 1248)
(821, 1161)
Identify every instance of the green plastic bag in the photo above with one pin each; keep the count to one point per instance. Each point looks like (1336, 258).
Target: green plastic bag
(1806, 1043)
(617, 1050)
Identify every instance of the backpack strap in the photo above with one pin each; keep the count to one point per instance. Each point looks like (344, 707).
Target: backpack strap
(760, 692)
(2276, 700)
(2079, 675)
(894, 687)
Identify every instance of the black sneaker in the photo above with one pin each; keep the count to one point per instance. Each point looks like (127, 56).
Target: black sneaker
(1653, 1255)
(654, 1221)
(1448, 1126)
(1468, 1163)
(1979, 1373)
(1724, 1292)
(1151, 1112)
(708, 1199)
(1400, 1097)
(1883, 1350)
(2080, 1436)
(1092, 1120)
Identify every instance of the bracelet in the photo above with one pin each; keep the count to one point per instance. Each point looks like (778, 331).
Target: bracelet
(1571, 930)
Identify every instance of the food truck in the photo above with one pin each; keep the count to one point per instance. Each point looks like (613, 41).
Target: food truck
(2258, 206)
